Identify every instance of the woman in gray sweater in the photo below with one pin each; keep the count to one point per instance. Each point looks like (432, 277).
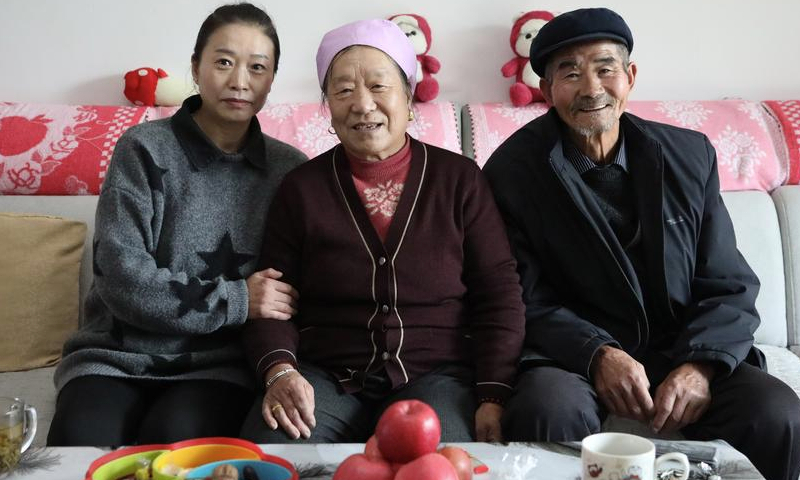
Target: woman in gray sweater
(178, 234)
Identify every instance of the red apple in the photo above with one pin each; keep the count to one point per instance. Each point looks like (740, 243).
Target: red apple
(407, 430)
(20, 134)
(361, 467)
(460, 460)
(372, 450)
(428, 467)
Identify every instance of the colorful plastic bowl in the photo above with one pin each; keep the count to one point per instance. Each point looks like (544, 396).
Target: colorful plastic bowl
(264, 470)
(194, 456)
(187, 455)
(123, 462)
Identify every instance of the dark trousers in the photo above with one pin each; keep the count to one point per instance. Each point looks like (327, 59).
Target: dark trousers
(753, 411)
(343, 417)
(107, 411)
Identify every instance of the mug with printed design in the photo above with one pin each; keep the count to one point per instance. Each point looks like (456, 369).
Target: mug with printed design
(621, 456)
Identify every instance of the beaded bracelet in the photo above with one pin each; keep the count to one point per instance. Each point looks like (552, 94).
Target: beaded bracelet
(278, 375)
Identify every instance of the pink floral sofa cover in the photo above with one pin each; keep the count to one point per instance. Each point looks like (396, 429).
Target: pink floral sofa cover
(65, 149)
(756, 143)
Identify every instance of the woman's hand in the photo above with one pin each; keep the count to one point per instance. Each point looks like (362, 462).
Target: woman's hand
(289, 403)
(270, 298)
(487, 422)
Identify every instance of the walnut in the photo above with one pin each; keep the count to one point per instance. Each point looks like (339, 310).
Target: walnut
(225, 472)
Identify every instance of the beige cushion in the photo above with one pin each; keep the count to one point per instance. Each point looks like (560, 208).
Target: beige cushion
(40, 260)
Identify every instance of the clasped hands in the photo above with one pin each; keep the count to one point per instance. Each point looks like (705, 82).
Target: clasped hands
(624, 389)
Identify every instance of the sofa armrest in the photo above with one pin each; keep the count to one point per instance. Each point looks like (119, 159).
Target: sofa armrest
(787, 204)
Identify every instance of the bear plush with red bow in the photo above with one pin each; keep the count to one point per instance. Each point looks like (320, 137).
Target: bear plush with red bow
(418, 32)
(525, 89)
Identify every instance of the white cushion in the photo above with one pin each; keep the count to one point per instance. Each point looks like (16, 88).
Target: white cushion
(783, 364)
(758, 238)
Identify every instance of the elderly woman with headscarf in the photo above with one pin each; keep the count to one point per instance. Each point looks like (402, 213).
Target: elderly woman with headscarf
(408, 289)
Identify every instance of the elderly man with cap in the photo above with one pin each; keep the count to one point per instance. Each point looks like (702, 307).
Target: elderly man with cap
(637, 300)
(407, 285)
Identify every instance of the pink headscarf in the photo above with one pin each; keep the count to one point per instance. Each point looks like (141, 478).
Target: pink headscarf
(378, 33)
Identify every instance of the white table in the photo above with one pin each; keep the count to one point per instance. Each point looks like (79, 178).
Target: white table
(552, 462)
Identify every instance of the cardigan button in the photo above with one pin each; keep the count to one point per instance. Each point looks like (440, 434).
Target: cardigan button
(385, 356)
(382, 261)
(385, 309)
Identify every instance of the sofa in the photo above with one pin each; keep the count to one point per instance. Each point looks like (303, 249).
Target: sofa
(54, 163)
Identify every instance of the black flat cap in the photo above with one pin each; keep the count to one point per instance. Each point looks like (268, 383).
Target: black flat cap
(578, 26)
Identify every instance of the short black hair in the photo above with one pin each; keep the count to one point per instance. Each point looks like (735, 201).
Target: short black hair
(244, 13)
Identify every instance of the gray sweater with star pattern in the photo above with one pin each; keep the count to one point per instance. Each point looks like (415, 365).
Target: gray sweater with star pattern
(178, 230)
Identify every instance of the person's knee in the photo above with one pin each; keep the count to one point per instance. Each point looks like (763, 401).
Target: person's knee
(551, 406)
(69, 429)
(95, 411)
(220, 414)
(777, 410)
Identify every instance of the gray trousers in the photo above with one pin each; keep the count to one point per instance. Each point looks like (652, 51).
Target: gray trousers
(753, 411)
(347, 418)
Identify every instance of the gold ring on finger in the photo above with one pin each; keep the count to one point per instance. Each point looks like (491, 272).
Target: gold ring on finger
(276, 407)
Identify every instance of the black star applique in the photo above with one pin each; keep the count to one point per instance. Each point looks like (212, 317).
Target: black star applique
(224, 261)
(164, 365)
(155, 178)
(192, 295)
(95, 265)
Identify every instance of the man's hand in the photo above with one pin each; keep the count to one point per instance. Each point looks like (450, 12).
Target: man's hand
(270, 298)
(487, 422)
(683, 396)
(289, 403)
(622, 384)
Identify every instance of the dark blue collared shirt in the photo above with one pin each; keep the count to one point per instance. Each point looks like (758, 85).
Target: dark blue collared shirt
(583, 164)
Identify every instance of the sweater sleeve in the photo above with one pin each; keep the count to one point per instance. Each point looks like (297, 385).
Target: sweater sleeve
(721, 319)
(268, 342)
(493, 295)
(135, 288)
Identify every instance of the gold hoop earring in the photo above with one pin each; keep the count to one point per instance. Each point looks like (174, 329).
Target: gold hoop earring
(410, 115)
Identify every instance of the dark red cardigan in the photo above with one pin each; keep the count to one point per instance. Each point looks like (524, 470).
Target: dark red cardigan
(442, 289)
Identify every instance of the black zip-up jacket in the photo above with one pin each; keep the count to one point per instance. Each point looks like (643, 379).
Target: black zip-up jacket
(579, 287)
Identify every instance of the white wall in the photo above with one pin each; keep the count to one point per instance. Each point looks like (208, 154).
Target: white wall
(76, 51)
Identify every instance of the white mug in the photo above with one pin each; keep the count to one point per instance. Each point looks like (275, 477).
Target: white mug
(620, 456)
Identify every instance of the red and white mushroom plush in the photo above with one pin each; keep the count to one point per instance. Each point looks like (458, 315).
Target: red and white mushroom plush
(525, 89)
(149, 86)
(418, 32)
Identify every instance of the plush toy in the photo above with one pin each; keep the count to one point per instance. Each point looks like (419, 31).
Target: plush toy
(526, 87)
(149, 87)
(418, 31)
